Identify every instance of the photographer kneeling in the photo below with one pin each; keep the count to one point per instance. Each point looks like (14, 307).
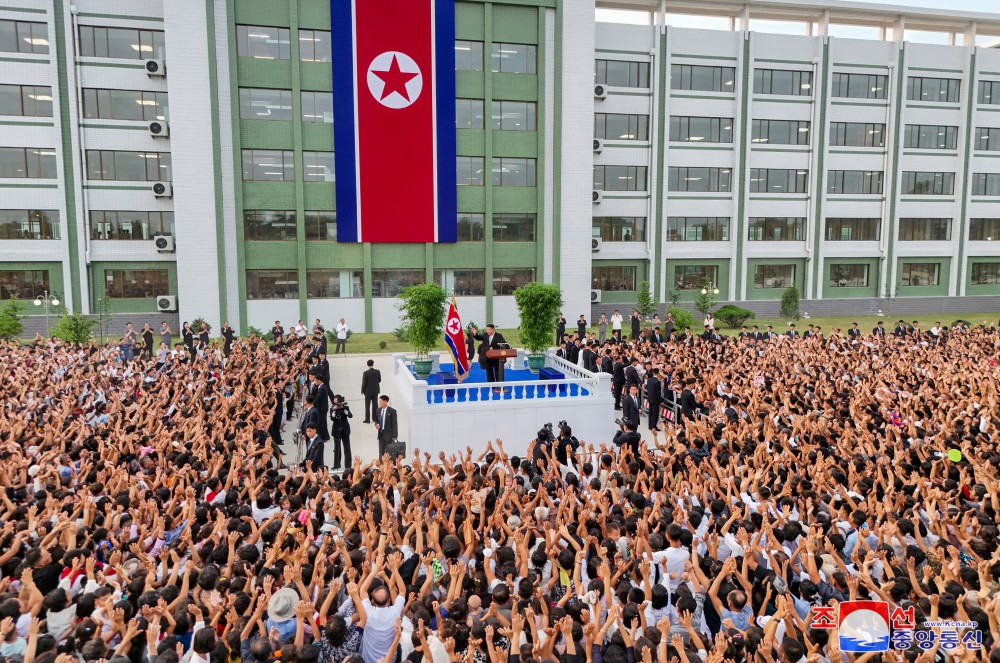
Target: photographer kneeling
(627, 436)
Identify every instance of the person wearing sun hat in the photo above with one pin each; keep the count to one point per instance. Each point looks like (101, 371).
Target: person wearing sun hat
(281, 613)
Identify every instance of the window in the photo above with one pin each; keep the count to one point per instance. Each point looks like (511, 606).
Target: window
(857, 134)
(333, 284)
(985, 273)
(506, 281)
(773, 276)
(29, 224)
(24, 37)
(931, 137)
(319, 167)
(986, 184)
(618, 73)
(698, 229)
(620, 178)
(269, 226)
(988, 139)
(513, 227)
(690, 277)
(617, 126)
(854, 181)
(614, 279)
(263, 104)
(620, 228)
(859, 86)
(781, 81)
(23, 284)
(31, 162)
(470, 171)
(265, 43)
(984, 230)
(509, 171)
(468, 55)
(314, 45)
(513, 59)
(702, 78)
(680, 178)
(989, 92)
(26, 100)
(780, 132)
(700, 129)
(128, 166)
(390, 282)
(513, 115)
(852, 230)
(772, 180)
(124, 104)
(924, 230)
(469, 113)
(850, 275)
(130, 225)
(921, 273)
(121, 43)
(919, 88)
(777, 229)
(469, 282)
(268, 166)
(136, 283)
(321, 226)
(317, 107)
(470, 227)
(272, 284)
(923, 184)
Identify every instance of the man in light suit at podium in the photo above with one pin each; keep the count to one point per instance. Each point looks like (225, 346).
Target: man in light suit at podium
(490, 340)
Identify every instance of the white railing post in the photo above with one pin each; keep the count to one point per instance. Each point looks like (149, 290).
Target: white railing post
(398, 358)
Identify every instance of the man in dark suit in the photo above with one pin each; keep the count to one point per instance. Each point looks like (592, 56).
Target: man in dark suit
(689, 404)
(309, 416)
(314, 449)
(562, 352)
(581, 327)
(631, 407)
(879, 329)
(769, 334)
(560, 328)
(656, 337)
(854, 333)
(628, 437)
(632, 374)
(636, 325)
(900, 329)
(489, 340)
(321, 401)
(589, 357)
(791, 333)
(618, 380)
(319, 343)
(668, 325)
(653, 389)
(323, 364)
(386, 425)
(607, 364)
(755, 334)
(371, 380)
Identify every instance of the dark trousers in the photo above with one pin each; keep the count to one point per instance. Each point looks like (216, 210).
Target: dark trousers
(342, 443)
(493, 370)
(616, 389)
(381, 447)
(371, 408)
(341, 346)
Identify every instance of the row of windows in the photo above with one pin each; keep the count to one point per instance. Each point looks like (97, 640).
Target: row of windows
(507, 171)
(331, 283)
(276, 105)
(128, 225)
(619, 228)
(504, 116)
(129, 166)
(136, 283)
(26, 100)
(779, 229)
(618, 126)
(28, 162)
(504, 58)
(272, 43)
(124, 104)
(29, 224)
(279, 166)
(613, 278)
(122, 43)
(24, 37)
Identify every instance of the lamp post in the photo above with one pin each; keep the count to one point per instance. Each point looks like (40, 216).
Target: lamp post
(47, 300)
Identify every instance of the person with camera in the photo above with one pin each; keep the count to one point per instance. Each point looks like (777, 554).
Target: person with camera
(340, 431)
(566, 444)
(627, 436)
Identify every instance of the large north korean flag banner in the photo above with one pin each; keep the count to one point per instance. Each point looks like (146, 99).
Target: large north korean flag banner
(394, 120)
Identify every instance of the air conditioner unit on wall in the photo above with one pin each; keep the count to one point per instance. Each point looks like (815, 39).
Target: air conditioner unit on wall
(164, 243)
(595, 244)
(598, 144)
(597, 196)
(156, 68)
(163, 190)
(600, 92)
(595, 296)
(159, 129)
(166, 303)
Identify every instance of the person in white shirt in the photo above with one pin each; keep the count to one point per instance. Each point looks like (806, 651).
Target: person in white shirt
(300, 329)
(616, 325)
(342, 330)
(383, 612)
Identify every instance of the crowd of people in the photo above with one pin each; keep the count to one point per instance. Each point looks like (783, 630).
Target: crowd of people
(147, 517)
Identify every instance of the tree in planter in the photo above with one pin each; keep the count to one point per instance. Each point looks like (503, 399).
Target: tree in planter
(75, 328)
(734, 316)
(790, 303)
(422, 309)
(11, 314)
(705, 300)
(538, 305)
(644, 303)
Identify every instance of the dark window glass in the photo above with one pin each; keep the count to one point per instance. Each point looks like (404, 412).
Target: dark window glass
(985, 184)
(514, 227)
(931, 137)
(121, 43)
(698, 229)
(702, 78)
(691, 277)
(780, 132)
(984, 230)
(919, 88)
(26, 100)
(24, 37)
(506, 281)
(390, 282)
(924, 230)
(618, 73)
(24, 283)
(776, 229)
(28, 162)
(620, 178)
(136, 283)
(849, 275)
(985, 273)
(272, 284)
(268, 225)
(852, 230)
(923, 184)
(128, 225)
(778, 180)
(617, 126)
(699, 179)
(854, 181)
(321, 226)
(781, 81)
(613, 278)
(921, 273)
(859, 86)
(700, 129)
(620, 228)
(857, 134)
(29, 224)
(766, 277)
(470, 227)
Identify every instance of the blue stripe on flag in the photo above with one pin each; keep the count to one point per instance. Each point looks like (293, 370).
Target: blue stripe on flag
(444, 82)
(342, 59)
(459, 369)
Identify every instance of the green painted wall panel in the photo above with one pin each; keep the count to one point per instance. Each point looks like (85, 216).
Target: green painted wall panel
(317, 136)
(471, 199)
(264, 73)
(460, 254)
(517, 25)
(316, 76)
(469, 21)
(689, 295)
(265, 135)
(268, 195)
(397, 256)
(270, 255)
(774, 293)
(471, 142)
(515, 144)
(319, 195)
(984, 289)
(939, 290)
(515, 199)
(469, 84)
(314, 14)
(622, 296)
(254, 12)
(334, 255)
(513, 254)
(830, 292)
(515, 87)
(143, 305)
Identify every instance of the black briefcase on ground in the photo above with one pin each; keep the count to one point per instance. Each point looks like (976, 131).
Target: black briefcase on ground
(396, 450)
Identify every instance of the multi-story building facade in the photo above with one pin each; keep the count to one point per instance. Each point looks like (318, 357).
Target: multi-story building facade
(179, 155)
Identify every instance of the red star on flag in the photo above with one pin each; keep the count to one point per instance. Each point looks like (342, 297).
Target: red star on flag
(395, 80)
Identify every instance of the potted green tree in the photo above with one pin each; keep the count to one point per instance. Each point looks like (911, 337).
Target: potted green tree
(422, 309)
(538, 305)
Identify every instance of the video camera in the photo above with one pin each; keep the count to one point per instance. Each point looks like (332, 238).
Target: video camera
(549, 432)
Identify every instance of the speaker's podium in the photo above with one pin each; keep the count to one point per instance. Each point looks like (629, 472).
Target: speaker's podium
(501, 355)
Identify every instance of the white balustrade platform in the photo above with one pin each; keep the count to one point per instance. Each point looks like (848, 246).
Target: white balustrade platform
(450, 417)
